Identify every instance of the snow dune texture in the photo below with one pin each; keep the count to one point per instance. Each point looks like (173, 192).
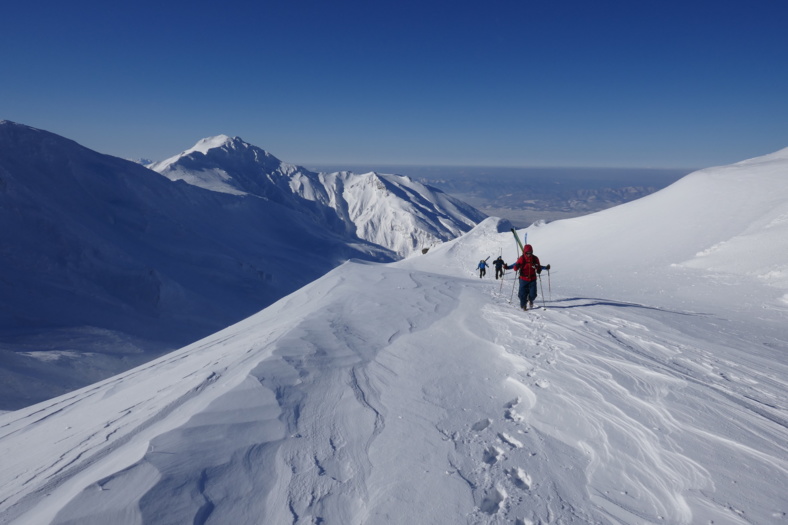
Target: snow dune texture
(651, 390)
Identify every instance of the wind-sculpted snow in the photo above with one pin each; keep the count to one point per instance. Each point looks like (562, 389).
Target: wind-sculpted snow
(416, 392)
(640, 408)
(300, 401)
(389, 395)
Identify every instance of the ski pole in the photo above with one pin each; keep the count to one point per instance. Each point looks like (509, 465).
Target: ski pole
(513, 283)
(541, 289)
(549, 286)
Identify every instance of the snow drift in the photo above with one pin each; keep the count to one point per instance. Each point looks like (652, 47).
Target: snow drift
(414, 392)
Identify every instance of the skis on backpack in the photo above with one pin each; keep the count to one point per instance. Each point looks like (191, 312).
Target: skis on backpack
(517, 238)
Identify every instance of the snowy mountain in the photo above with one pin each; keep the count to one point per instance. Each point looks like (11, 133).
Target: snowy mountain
(106, 264)
(652, 389)
(393, 211)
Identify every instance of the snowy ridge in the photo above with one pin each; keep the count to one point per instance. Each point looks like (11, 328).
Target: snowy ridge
(390, 210)
(714, 225)
(396, 212)
(748, 247)
(415, 392)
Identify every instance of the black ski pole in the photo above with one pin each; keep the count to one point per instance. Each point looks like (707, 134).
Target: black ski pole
(549, 286)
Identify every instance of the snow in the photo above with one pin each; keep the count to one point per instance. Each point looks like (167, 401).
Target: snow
(107, 264)
(652, 389)
(203, 146)
(389, 210)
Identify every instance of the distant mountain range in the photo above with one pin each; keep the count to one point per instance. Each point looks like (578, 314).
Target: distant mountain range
(106, 264)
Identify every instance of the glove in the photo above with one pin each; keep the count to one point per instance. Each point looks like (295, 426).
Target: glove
(547, 267)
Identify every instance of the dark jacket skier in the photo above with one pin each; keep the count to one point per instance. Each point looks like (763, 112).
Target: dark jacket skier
(529, 267)
(499, 264)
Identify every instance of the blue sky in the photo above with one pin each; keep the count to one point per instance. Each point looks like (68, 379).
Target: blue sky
(633, 83)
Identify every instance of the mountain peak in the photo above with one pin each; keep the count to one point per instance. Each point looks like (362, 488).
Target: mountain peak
(218, 141)
(224, 142)
(388, 210)
(218, 146)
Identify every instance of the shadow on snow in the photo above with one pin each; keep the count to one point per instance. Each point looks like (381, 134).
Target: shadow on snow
(591, 301)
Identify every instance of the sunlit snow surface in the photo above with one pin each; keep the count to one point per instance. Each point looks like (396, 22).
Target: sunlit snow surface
(651, 390)
(389, 210)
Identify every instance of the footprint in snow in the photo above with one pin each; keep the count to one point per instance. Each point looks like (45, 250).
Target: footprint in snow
(512, 415)
(481, 425)
(509, 440)
(492, 454)
(520, 479)
(543, 383)
(493, 501)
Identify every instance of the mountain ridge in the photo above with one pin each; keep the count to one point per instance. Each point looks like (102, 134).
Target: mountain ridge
(343, 199)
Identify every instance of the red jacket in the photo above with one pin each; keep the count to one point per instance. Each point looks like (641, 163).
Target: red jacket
(528, 265)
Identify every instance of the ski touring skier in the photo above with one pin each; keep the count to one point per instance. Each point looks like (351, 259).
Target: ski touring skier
(482, 267)
(499, 264)
(529, 267)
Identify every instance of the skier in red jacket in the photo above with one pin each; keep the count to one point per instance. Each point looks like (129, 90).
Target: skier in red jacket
(529, 267)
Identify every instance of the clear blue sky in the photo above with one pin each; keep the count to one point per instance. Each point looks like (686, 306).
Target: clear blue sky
(641, 83)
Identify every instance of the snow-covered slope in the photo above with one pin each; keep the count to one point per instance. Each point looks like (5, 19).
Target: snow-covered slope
(389, 210)
(106, 264)
(719, 226)
(414, 392)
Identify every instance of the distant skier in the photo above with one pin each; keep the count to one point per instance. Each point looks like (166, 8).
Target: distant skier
(529, 267)
(482, 268)
(499, 264)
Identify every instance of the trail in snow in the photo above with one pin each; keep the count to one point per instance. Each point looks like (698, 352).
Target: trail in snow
(664, 410)
(382, 394)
